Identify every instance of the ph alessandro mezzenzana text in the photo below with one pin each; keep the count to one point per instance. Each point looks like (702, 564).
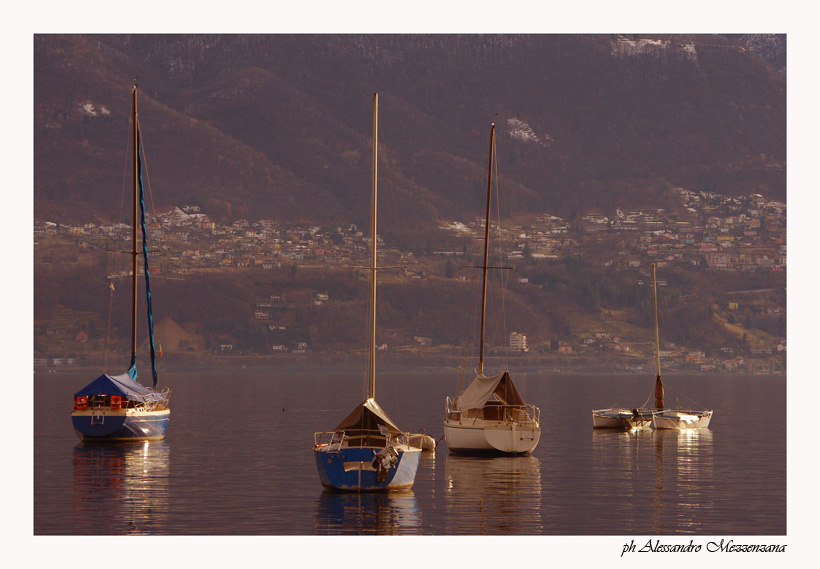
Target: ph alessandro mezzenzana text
(724, 546)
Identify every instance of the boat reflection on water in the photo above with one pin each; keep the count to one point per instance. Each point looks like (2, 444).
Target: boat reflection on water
(620, 454)
(685, 469)
(367, 513)
(654, 482)
(121, 488)
(499, 495)
(620, 481)
(627, 443)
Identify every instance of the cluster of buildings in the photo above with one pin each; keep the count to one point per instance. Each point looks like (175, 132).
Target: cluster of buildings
(745, 233)
(190, 240)
(711, 231)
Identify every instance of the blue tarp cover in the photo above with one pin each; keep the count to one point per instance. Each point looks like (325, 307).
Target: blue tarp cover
(121, 385)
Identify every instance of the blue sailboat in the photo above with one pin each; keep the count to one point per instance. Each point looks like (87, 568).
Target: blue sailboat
(367, 451)
(118, 407)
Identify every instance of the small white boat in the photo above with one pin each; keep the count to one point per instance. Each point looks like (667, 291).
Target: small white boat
(681, 419)
(490, 414)
(621, 418)
(367, 451)
(658, 417)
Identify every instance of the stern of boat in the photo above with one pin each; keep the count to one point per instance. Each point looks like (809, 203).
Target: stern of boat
(342, 467)
(508, 429)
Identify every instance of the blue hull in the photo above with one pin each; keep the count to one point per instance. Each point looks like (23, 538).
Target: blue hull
(349, 469)
(121, 427)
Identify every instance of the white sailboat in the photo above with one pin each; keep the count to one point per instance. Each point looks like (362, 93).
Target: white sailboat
(490, 414)
(624, 418)
(658, 417)
(367, 451)
(680, 418)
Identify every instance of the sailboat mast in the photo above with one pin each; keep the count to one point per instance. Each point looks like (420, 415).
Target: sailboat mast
(371, 390)
(486, 250)
(134, 241)
(658, 381)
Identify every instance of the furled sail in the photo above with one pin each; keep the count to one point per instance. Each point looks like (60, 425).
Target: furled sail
(483, 387)
(147, 274)
(367, 417)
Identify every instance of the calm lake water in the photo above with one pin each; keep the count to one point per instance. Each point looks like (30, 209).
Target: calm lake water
(238, 460)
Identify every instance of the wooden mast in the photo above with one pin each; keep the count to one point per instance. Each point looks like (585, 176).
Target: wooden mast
(486, 250)
(371, 390)
(134, 240)
(658, 381)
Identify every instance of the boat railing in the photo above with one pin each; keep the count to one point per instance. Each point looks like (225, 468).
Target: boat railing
(358, 437)
(449, 410)
(329, 438)
(497, 411)
(526, 413)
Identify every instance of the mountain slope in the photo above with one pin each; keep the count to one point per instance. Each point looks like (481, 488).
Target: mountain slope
(279, 125)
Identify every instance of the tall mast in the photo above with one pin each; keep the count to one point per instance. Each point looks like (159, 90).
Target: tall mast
(134, 252)
(486, 250)
(658, 381)
(371, 390)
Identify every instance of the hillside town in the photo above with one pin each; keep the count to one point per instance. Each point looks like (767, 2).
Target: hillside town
(709, 232)
(715, 232)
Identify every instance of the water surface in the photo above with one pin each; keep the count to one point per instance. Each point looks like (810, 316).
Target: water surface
(237, 460)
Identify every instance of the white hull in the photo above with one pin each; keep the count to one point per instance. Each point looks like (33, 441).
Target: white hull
(623, 419)
(494, 436)
(672, 419)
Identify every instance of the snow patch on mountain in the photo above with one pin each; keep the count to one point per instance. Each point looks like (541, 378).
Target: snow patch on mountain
(88, 108)
(520, 130)
(622, 46)
(177, 217)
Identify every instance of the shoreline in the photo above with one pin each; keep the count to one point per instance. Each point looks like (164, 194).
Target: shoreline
(419, 365)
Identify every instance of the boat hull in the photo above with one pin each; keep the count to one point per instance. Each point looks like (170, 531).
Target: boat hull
(682, 420)
(623, 419)
(479, 435)
(124, 425)
(351, 469)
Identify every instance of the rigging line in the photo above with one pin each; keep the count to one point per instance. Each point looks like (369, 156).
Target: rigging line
(463, 369)
(115, 265)
(502, 278)
(646, 403)
(145, 171)
(692, 401)
(148, 183)
(500, 322)
(365, 369)
(392, 187)
(108, 328)
(125, 176)
(384, 158)
(468, 331)
(125, 183)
